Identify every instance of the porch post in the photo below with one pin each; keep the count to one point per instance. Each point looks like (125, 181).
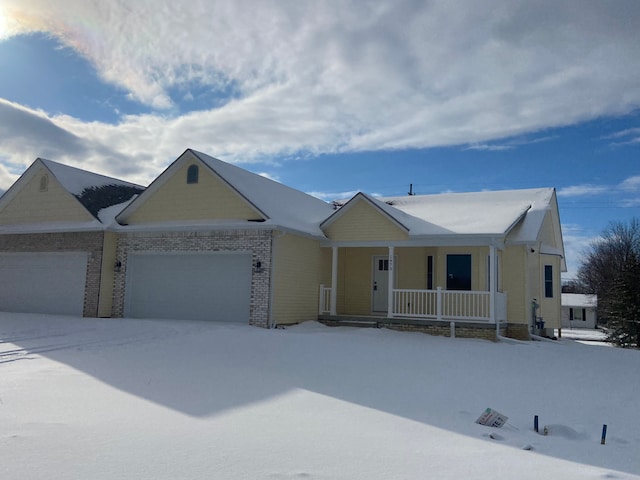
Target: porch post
(391, 285)
(334, 280)
(493, 284)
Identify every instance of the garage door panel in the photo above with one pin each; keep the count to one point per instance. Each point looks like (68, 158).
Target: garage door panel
(51, 283)
(189, 286)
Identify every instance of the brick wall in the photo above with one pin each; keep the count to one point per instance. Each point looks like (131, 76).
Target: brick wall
(462, 330)
(256, 241)
(519, 331)
(90, 242)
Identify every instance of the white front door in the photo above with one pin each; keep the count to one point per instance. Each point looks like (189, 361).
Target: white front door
(380, 293)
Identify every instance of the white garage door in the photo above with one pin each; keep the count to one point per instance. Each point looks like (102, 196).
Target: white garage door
(214, 286)
(43, 282)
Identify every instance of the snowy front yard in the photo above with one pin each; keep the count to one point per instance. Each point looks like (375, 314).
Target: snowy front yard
(133, 399)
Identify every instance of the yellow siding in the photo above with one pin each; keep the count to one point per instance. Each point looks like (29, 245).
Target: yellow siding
(411, 267)
(209, 199)
(364, 222)
(30, 205)
(105, 301)
(479, 264)
(296, 279)
(355, 271)
(513, 281)
(547, 233)
(326, 255)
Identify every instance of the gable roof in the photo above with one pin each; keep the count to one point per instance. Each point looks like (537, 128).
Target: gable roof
(76, 180)
(494, 213)
(407, 223)
(94, 192)
(280, 206)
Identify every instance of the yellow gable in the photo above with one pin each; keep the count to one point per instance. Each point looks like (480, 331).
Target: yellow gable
(43, 199)
(209, 198)
(363, 222)
(547, 233)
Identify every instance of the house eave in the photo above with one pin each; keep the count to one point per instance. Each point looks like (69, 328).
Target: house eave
(210, 226)
(460, 240)
(51, 227)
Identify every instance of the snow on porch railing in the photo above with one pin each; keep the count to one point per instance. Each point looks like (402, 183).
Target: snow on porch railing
(443, 304)
(325, 299)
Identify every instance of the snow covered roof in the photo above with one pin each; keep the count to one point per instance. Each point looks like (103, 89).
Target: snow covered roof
(514, 215)
(411, 224)
(496, 213)
(579, 300)
(76, 180)
(94, 191)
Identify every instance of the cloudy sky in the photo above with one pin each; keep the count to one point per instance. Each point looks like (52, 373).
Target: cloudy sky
(333, 97)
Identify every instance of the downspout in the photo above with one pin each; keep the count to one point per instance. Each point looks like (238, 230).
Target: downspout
(271, 322)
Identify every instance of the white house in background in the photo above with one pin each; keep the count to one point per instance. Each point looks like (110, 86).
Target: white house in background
(579, 311)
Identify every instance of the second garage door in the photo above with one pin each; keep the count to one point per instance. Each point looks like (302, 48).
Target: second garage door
(215, 286)
(43, 282)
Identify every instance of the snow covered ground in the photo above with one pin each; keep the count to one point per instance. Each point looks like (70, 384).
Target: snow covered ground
(133, 399)
(586, 335)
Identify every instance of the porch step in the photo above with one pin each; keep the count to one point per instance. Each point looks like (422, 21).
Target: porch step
(351, 322)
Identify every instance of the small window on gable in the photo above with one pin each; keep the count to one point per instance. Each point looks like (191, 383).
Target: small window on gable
(192, 174)
(44, 183)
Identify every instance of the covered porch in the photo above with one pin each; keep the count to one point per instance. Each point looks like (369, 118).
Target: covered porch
(412, 285)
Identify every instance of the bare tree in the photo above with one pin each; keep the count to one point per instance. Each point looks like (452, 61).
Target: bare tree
(608, 269)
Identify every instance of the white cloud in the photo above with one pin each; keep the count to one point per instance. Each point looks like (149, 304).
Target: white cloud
(629, 132)
(576, 241)
(333, 76)
(629, 136)
(490, 148)
(631, 184)
(581, 190)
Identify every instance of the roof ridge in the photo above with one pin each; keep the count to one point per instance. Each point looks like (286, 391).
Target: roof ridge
(86, 173)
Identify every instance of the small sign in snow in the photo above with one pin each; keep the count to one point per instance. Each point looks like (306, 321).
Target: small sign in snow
(491, 418)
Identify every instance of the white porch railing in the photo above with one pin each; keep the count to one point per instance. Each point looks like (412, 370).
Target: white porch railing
(441, 304)
(325, 300)
(461, 305)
